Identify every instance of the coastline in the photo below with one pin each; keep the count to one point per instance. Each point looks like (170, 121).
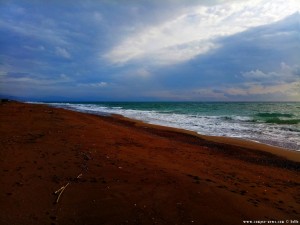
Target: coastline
(123, 171)
(239, 142)
(253, 126)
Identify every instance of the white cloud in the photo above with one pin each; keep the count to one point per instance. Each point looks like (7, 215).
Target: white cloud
(258, 74)
(34, 48)
(41, 32)
(98, 84)
(194, 31)
(62, 52)
(292, 70)
(141, 72)
(250, 91)
(101, 84)
(286, 73)
(64, 77)
(290, 90)
(284, 83)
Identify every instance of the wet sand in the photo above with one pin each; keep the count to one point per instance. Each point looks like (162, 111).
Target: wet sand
(121, 171)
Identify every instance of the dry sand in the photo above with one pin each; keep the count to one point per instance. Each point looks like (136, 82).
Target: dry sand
(135, 173)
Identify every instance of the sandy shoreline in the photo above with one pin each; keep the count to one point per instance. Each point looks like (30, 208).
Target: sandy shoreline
(135, 173)
(283, 152)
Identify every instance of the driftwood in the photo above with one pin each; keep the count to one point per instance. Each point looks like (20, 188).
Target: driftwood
(61, 190)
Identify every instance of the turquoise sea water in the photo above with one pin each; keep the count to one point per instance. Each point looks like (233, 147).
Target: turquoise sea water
(276, 124)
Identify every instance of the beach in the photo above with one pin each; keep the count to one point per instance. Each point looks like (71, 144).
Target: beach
(114, 170)
(271, 123)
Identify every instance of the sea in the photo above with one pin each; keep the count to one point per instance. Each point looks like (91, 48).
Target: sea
(272, 123)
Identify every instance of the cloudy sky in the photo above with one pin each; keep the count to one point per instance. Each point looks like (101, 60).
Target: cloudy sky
(150, 50)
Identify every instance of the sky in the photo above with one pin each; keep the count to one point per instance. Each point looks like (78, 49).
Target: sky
(150, 50)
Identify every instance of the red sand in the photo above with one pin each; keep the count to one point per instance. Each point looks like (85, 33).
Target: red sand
(134, 173)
